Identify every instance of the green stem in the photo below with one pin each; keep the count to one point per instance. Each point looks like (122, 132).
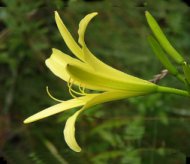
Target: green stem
(180, 77)
(173, 90)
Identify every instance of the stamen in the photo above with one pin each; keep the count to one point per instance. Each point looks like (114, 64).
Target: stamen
(70, 91)
(69, 84)
(81, 89)
(49, 94)
(73, 92)
(78, 93)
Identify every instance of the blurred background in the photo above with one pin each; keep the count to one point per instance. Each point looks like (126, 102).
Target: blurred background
(149, 130)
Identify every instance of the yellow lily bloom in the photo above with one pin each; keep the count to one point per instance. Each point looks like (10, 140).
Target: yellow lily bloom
(87, 71)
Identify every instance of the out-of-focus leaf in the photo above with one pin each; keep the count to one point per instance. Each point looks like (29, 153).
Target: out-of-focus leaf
(186, 70)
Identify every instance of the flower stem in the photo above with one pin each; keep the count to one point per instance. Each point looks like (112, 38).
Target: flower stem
(180, 77)
(173, 90)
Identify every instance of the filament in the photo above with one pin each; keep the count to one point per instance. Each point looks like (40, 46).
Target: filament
(82, 89)
(70, 91)
(49, 94)
(78, 93)
(73, 92)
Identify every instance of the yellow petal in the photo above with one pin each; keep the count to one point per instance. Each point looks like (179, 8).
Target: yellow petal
(58, 61)
(69, 40)
(69, 130)
(93, 61)
(106, 83)
(107, 70)
(111, 96)
(57, 69)
(59, 108)
(82, 26)
(57, 64)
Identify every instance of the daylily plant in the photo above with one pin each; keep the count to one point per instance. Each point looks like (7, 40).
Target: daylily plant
(88, 73)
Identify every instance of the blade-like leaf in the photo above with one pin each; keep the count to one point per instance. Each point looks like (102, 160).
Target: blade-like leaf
(160, 36)
(162, 56)
(186, 70)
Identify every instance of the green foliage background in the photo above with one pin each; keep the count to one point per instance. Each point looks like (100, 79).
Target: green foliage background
(148, 130)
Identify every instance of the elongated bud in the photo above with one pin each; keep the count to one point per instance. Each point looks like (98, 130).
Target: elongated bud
(160, 36)
(162, 56)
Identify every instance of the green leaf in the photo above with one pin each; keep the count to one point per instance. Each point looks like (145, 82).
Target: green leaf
(160, 36)
(186, 70)
(162, 56)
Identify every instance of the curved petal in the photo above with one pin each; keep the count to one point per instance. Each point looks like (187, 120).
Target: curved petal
(58, 61)
(69, 40)
(93, 61)
(82, 27)
(69, 130)
(105, 69)
(57, 64)
(59, 108)
(102, 82)
(57, 69)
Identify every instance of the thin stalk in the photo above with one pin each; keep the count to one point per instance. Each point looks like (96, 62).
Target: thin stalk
(180, 77)
(173, 90)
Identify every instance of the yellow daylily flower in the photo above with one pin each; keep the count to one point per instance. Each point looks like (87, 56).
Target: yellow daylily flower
(87, 72)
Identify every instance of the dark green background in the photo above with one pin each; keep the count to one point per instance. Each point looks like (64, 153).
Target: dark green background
(149, 130)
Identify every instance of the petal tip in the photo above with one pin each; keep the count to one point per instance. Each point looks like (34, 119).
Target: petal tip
(53, 49)
(47, 62)
(95, 13)
(26, 121)
(56, 13)
(147, 14)
(29, 120)
(78, 150)
(57, 17)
